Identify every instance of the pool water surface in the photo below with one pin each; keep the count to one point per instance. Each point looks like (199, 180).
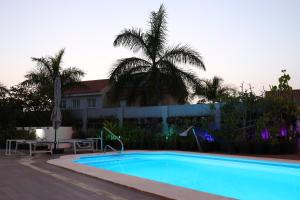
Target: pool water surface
(226, 176)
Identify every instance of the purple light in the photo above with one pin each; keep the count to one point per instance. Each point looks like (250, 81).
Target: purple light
(205, 135)
(265, 134)
(208, 137)
(283, 132)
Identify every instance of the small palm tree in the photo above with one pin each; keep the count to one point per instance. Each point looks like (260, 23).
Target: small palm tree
(3, 90)
(148, 78)
(214, 90)
(48, 68)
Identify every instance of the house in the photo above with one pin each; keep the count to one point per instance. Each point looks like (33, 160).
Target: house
(90, 95)
(90, 104)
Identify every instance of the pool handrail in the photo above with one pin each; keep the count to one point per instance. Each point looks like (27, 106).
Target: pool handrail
(115, 136)
(185, 133)
(109, 147)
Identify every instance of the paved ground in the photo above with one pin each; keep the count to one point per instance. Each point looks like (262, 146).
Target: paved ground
(33, 179)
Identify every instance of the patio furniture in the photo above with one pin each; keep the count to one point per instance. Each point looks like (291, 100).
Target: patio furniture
(33, 144)
(79, 144)
(9, 144)
(96, 141)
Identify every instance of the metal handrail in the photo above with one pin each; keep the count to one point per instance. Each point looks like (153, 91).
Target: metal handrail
(115, 136)
(185, 133)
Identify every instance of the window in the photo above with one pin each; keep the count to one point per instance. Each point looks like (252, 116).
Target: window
(63, 104)
(76, 103)
(91, 103)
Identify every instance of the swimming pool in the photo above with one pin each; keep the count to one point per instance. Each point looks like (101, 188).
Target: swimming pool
(226, 176)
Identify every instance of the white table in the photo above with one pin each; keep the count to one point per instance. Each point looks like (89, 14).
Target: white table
(31, 143)
(9, 144)
(35, 143)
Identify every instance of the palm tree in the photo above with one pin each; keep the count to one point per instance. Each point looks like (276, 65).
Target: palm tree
(148, 78)
(214, 90)
(3, 90)
(48, 68)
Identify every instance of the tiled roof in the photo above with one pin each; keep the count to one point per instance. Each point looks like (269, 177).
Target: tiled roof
(295, 94)
(93, 86)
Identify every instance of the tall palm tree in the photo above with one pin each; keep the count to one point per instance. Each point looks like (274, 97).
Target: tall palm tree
(157, 72)
(214, 90)
(48, 68)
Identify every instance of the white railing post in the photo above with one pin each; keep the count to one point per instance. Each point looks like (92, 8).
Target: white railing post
(165, 118)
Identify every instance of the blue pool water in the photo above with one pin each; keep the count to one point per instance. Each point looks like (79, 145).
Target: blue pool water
(230, 177)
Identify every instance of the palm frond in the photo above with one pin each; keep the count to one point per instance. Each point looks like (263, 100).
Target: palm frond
(156, 36)
(180, 80)
(43, 64)
(70, 77)
(56, 62)
(126, 64)
(189, 77)
(132, 39)
(185, 55)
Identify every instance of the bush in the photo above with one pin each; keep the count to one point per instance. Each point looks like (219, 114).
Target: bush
(12, 133)
(139, 138)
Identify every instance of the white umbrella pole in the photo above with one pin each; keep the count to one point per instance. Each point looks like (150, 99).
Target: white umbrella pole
(55, 137)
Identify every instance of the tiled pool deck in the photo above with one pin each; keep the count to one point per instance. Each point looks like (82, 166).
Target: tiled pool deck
(145, 185)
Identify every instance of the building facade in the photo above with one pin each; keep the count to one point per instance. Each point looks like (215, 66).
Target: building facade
(90, 102)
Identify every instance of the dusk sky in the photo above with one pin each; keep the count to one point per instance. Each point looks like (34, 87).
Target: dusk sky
(246, 41)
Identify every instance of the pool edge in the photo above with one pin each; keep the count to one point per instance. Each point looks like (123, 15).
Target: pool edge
(145, 185)
(141, 184)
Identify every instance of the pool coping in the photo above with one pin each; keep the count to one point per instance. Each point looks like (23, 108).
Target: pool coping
(145, 185)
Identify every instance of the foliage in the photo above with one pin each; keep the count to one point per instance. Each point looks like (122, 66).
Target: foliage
(276, 112)
(13, 115)
(247, 118)
(10, 113)
(29, 99)
(12, 133)
(283, 83)
(148, 79)
(144, 137)
(238, 115)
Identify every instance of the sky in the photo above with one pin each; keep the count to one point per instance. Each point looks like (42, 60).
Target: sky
(242, 41)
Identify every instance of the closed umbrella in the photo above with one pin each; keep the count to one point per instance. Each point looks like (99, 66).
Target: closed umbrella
(56, 113)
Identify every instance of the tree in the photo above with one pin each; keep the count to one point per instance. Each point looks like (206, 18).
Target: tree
(283, 85)
(148, 78)
(42, 78)
(29, 99)
(214, 90)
